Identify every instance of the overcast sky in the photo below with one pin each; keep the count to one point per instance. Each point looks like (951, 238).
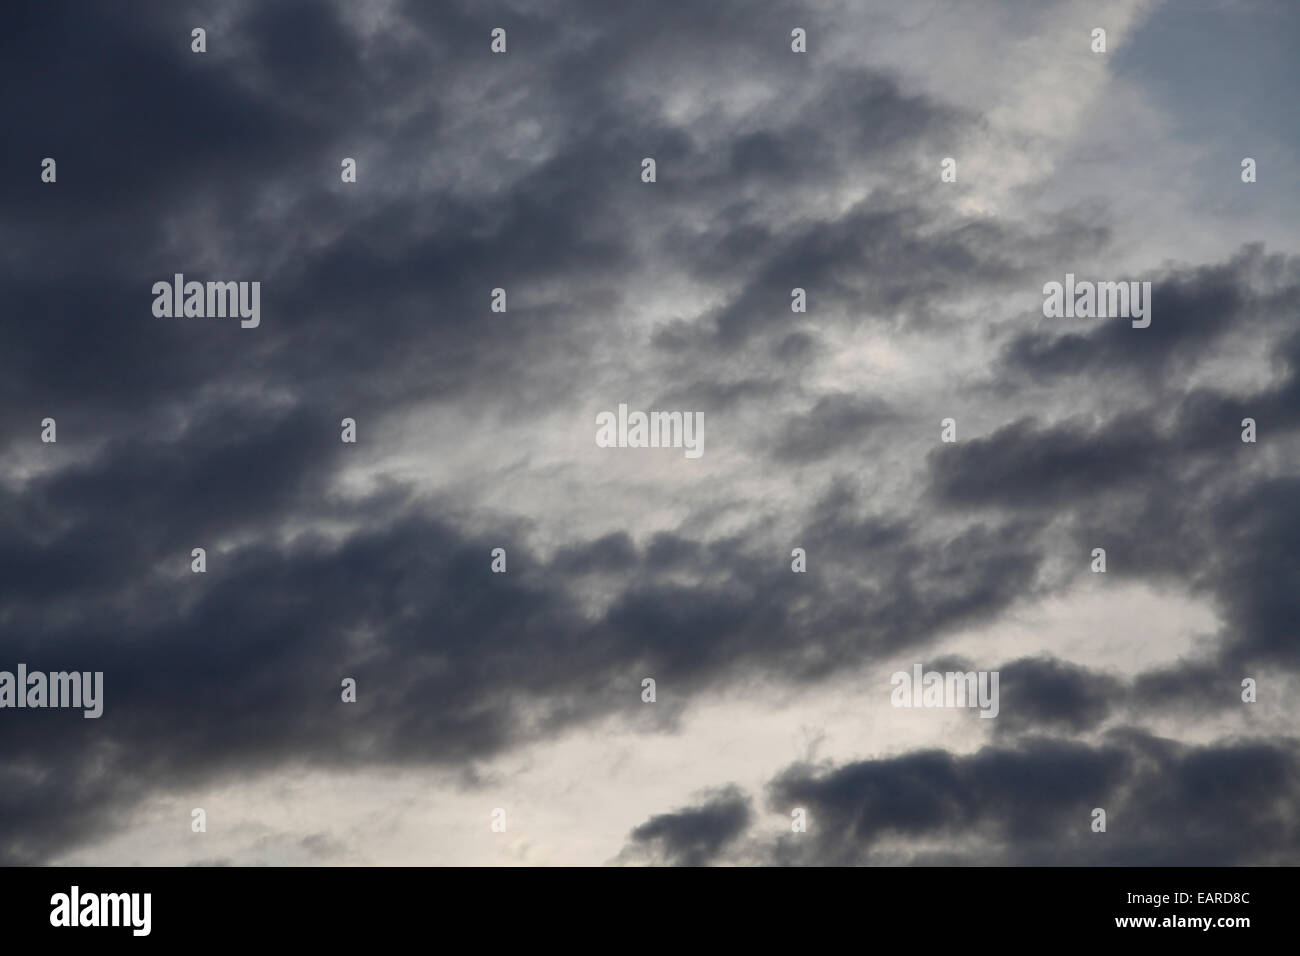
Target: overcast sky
(476, 430)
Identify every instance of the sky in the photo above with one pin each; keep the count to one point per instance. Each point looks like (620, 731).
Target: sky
(500, 716)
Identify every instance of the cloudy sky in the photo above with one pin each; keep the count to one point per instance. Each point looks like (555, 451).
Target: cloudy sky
(475, 430)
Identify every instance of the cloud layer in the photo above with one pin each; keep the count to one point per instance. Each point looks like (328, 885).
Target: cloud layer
(523, 690)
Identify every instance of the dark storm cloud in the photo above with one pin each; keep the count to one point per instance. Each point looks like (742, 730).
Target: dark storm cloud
(1186, 502)
(1256, 566)
(1221, 804)
(1170, 437)
(375, 318)
(899, 591)
(395, 309)
(1166, 804)
(1026, 464)
(1196, 307)
(1036, 789)
(182, 433)
(693, 836)
(1044, 695)
(139, 124)
(1167, 487)
(238, 671)
(90, 528)
(1233, 545)
(1192, 687)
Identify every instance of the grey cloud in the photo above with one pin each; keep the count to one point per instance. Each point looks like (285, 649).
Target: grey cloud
(521, 171)
(1166, 804)
(693, 836)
